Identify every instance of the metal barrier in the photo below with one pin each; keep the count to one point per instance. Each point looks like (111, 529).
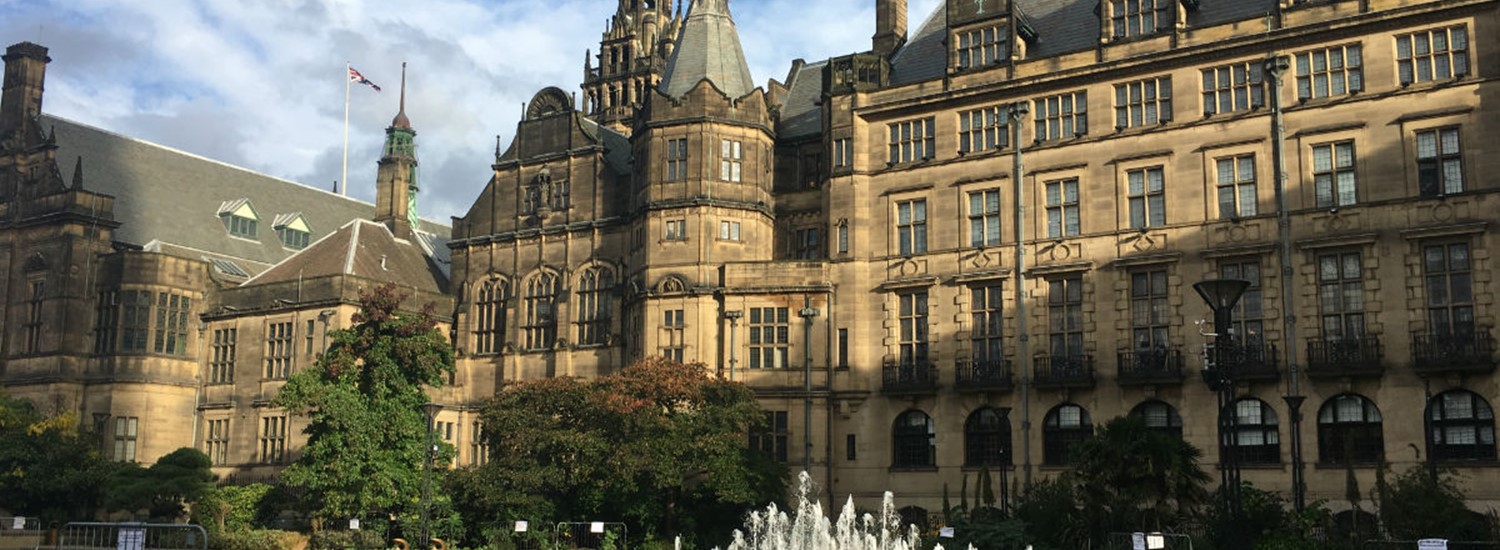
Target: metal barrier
(21, 532)
(131, 536)
(1148, 541)
(1413, 545)
(594, 535)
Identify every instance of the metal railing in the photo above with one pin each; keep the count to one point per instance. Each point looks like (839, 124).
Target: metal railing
(909, 377)
(1064, 371)
(989, 375)
(131, 536)
(1158, 365)
(21, 532)
(1357, 356)
(1456, 353)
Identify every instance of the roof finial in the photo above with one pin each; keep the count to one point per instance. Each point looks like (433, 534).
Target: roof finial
(401, 121)
(497, 148)
(78, 173)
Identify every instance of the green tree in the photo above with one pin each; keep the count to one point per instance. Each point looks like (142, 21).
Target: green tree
(173, 483)
(48, 467)
(1129, 477)
(659, 444)
(1418, 505)
(231, 507)
(367, 439)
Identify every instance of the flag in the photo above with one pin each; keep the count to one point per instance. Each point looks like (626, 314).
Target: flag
(354, 76)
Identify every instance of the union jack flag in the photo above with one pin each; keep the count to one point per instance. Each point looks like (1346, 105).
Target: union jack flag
(354, 76)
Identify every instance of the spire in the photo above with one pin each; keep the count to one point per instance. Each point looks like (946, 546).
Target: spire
(708, 49)
(400, 121)
(78, 173)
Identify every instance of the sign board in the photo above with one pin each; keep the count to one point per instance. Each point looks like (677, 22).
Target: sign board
(354, 524)
(131, 538)
(946, 532)
(1155, 541)
(1432, 544)
(18, 523)
(596, 527)
(522, 526)
(1137, 541)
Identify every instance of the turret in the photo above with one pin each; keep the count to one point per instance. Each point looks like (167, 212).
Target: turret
(396, 182)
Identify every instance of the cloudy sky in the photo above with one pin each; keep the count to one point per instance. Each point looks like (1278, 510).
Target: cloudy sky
(260, 83)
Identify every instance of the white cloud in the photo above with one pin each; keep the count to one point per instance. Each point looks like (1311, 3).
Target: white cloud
(259, 84)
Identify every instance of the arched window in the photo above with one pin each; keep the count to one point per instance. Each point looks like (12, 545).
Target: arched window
(1256, 437)
(594, 311)
(1356, 526)
(1463, 427)
(1349, 431)
(1064, 425)
(489, 316)
(913, 441)
(1159, 416)
(987, 438)
(914, 515)
(541, 312)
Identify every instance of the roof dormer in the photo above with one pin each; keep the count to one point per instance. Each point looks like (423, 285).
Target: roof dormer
(239, 218)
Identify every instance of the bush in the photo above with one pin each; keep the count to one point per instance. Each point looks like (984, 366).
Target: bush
(256, 539)
(231, 507)
(343, 540)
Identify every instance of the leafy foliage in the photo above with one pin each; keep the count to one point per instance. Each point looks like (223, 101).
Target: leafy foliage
(367, 437)
(1419, 504)
(48, 467)
(166, 488)
(645, 445)
(231, 507)
(1129, 478)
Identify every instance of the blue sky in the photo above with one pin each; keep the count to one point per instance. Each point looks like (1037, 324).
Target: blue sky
(260, 84)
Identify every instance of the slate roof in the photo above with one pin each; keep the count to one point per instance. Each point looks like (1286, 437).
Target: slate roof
(801, 116)
(365, 249)
(708, 48)
(1062, 26)
(164, 196)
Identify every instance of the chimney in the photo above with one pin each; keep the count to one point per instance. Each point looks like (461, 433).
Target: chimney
(21, 94)
(890, 26)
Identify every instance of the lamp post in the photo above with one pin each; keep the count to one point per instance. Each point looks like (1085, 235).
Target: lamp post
(1275, 67)
(1006, 462)
(431, 410)
(807, 313)
(1017, 112)
(734, 323)
(1218, 373)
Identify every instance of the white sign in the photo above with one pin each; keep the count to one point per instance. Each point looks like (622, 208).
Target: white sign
(521, 526)
(1432, 544)
(1155, 541)
(131, 538)
(354, 524)
(596, 527)
(18, 523)
(1137, 541)
(946, 532)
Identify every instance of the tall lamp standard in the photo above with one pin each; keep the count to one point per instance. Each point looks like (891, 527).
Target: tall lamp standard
(807, 313)
(431, 410)
(1218, 373)
(733, 316)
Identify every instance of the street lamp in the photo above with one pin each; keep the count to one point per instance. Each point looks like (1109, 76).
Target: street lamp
(734, 323)
(807, 313)
(431, 410)
(1218, 373)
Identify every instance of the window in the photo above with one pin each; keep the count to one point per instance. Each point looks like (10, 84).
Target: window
(217, 441)
(293, 238)
(106, 317)
(843, 345)
(541, 312)
(986, 336)
(850, 449)
(127, 429)
(1437, 54)
(1062, 208)
(489, 316)
(914, 441)
(1233, 88)
(594, 312)
(987, 438)
(1450, 289)
(1065, 316)
(1159, 416)
(559, 196)
(278, 350)
(769, 337)
(1256, 439)
(1329, 72)
(1236, 186)
(1148, 199)
(677, 157)
(1139, 17)
(674, 334)
(479, 446)
(843, 153)
(1349, 431)
(1247, 317)
(308, 336)
(983, 129)
(1333, 173)
(843, 237)
(240, 226)
(1064, 426)
(1440, 166)
(984, 218)
(771, 438)
(729, 160)
(980, 47)
(221, 364)
(172, 323)
(1462, 427)
(1062, 116)
(1143, 103)
(136, 322)
(272, 439)
(729, 231)
(1150, 312)
(33, 327)
(676, 230)
(808, 243)
(911, 227)
(911, 140)
(1341, 296)
(913, 320)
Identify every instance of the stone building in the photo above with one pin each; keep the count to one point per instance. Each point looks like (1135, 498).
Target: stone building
(846, 241)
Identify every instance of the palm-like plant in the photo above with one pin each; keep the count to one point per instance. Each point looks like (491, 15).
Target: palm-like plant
(1129, 477)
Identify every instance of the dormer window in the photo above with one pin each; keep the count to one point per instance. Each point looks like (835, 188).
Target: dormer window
(981, 47)
(239, 218)
(292, 230)
(1133, 18)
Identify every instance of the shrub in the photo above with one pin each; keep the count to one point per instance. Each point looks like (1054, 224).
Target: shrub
(341, 540)
(254, 539)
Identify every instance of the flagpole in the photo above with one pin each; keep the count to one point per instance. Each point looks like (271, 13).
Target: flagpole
(344, 177)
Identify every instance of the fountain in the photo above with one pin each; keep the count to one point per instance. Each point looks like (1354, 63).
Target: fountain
(809, 529)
